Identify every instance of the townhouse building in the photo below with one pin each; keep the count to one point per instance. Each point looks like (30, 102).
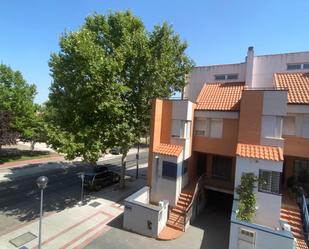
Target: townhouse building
(249, 117)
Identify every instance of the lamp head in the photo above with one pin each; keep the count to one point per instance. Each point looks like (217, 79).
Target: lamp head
(42, 182)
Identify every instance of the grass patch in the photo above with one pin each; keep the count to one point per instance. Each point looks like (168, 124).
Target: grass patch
(13, 155)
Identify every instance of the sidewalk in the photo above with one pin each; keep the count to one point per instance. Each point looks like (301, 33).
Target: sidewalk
(61, 158)
(73, 227)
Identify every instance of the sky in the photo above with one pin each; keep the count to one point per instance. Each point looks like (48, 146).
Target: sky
(217, 31)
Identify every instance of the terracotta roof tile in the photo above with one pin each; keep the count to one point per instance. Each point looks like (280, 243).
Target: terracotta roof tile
(297, 84)
(220, 96)
(260, 152)
(168, 149)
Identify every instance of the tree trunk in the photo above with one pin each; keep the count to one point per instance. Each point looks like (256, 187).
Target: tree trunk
(137, 161)
(32, 145)
(123, 169)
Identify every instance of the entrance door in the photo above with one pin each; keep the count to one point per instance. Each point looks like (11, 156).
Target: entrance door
(201, 163)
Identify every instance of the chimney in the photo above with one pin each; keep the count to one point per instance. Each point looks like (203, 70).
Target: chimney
(249, 67)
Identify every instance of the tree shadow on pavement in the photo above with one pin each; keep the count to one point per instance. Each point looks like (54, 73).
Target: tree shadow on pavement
(20, 196)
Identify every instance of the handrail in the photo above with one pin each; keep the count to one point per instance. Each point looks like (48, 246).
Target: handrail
(197, 186)
(304, 214)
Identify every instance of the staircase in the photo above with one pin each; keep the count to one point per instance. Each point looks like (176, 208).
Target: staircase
(292, 216)
(175, 225)
(177, 214)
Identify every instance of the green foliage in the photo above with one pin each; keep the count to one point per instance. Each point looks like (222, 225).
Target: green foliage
(247, 198)
(104, 78)
(16, 98)
(7, 136)
(36, 130)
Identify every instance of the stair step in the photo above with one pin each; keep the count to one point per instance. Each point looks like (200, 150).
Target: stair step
(288, 218)
(183, 203)
(180, 228)
(177, 210)
(184, 199)
(290, 212)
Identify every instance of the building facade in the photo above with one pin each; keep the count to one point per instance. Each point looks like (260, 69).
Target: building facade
(251, 117)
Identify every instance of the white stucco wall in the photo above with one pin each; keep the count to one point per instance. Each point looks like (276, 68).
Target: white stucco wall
(182, 110)
(263, 69)
(265, 66)
(138, 214)
(166, 188)
(264, 240)
(275, 103)
(200, 75)
(269, 205)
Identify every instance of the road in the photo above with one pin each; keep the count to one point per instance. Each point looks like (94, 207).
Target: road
(19, 198)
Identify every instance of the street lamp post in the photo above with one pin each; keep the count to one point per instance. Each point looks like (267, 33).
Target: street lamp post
(42, 184)
(82, 177)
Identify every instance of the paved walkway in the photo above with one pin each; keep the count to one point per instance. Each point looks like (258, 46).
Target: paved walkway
(73, 227)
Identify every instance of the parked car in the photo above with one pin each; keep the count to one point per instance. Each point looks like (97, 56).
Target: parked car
(97, 180)
(115, 150)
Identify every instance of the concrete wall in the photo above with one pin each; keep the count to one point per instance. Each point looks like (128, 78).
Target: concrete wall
(201, 75)
(142, 217)
(166, 188)
(264, 237)
(265, 66)
(269, 205)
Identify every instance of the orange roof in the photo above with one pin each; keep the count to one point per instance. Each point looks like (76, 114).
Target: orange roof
(220, 96)
(168, 149)
(297, 84)
(260, 152)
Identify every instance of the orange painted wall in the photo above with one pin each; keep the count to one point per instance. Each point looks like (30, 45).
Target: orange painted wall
(250, 121)
(155, 132)
(166, 121)
(160, 129)
(296, 146)
(222, 146)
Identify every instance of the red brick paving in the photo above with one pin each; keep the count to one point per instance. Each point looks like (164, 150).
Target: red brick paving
(31, 161)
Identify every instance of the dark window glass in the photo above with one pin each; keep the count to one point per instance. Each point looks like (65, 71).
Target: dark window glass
(232, 76)
(294, 66)
(185, 167)
(169, 169)
(219, 77)
(306, 66)
(270, 181)
(301, 171)
(222, 167)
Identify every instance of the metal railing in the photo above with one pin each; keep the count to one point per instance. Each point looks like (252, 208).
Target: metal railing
(304, 214)
(189, 211)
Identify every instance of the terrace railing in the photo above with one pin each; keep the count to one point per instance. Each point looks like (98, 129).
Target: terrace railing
(304, 214)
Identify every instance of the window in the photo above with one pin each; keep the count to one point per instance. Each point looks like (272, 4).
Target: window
(219, 77)
(184, 167)
(226, 76)
(301, 171)
(180, 128)
(169, 169)
(293, 66)
(272, 127)
(298, 66)
(222, 167)
(215, 128)
(270, 181)
(289, 126)
(200, 127)
(232, 77)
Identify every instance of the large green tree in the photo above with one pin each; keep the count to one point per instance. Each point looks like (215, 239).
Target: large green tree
(105, 76)
(16, 104)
